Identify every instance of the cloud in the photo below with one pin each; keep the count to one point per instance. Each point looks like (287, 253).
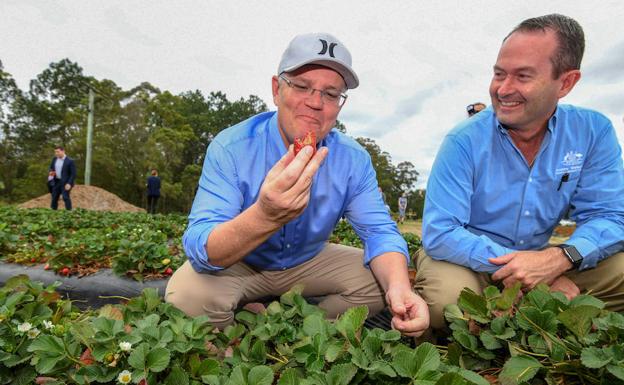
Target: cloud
(609, 68)
(406, 108)
(119, 24)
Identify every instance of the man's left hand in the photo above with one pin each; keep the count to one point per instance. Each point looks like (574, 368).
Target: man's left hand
(67, 187)
(531, 267)
(410, 312)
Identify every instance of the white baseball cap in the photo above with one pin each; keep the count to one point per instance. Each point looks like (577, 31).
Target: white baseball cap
(322, 49)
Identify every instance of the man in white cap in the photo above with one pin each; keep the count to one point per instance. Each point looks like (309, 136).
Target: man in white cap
(262, 215)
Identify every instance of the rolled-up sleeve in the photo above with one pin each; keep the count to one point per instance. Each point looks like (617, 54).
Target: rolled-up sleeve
(598, 202)
(370, 219)
(218, 200)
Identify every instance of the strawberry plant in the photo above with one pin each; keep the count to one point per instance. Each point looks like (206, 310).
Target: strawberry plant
(146, 341)
(542, 338)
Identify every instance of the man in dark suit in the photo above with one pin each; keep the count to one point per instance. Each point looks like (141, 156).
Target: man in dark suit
(63, 169)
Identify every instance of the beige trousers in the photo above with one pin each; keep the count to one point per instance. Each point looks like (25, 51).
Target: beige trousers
(440, 283)
(337, 273)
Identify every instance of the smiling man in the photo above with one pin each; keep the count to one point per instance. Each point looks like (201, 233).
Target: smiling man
(503, 179)
(262, 215)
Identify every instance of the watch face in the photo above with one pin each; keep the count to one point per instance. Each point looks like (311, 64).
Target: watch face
(573, 255)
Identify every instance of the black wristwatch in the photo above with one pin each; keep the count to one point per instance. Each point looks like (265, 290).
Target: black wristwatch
(572, 254)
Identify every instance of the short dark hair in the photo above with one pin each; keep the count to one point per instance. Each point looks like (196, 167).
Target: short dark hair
(570, 37)
(59, 148)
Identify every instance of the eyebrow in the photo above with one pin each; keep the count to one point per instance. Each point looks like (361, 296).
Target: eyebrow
(521, 69)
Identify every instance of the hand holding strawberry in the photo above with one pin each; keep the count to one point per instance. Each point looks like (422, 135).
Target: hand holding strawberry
(286, 189)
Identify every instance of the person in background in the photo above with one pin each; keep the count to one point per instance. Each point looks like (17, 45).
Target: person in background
(63, 171)
(402, 207)
(153, 191)
(474, 108)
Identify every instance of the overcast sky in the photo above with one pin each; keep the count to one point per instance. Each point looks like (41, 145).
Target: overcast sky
(419, 63)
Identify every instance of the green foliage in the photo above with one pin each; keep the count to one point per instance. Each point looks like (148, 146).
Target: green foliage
(345, 235)
(291, 342)
(541, 338)
(135, 245)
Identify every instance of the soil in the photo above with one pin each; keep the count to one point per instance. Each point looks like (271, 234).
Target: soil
(86, 197)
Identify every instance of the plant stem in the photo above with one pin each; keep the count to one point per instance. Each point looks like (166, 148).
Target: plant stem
(283, 361)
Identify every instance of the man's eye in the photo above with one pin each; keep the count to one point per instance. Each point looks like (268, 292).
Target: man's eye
(300, 87)
(332, 95)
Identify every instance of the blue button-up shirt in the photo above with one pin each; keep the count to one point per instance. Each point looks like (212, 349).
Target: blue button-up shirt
(236, 164)
(484, 200)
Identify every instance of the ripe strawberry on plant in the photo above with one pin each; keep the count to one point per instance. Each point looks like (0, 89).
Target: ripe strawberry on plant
(65, 271)
(309, 139)
(168, 271)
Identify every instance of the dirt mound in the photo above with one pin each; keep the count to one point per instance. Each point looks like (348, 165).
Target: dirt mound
(86, 197)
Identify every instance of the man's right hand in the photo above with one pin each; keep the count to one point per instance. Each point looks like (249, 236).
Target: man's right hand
(566, 286)
(285, 192)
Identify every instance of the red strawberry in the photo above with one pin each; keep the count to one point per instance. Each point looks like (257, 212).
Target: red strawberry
(168, 271)
(86, 358)
(33, 260)
(309, 139)
(65, 271)
(46, 267)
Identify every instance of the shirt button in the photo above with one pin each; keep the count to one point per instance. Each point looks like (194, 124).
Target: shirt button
(527, 212)
(288, 245)
(521, 242)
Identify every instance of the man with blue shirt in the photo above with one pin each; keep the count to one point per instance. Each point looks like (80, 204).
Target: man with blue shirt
(262, 214)
(504, 178)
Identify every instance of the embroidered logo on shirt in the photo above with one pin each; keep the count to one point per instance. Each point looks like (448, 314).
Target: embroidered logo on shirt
(572, 158)
(572, 161)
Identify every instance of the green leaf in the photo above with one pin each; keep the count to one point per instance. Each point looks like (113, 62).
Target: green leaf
(452, 312)
(177, 376)
(239, 376)
(519, 369)
(260, 375)
(594, 358)
(51, 345)
(579, 319)
(427, 357)
(473, 304)
(138, 356)
(340, 374)
(333, 351)
(352, 321)
(382, 367)
(489, 341)
(289, 376)
(208, 367)
(404, 363)
(616, 370)
(157, 359)
(451, 379)
(586, 300)
(258, 352)
(508, 297)
(315, 324)
(530, 318)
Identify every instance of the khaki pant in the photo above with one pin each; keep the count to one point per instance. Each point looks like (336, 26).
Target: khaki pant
(440, 283)
(337, 273)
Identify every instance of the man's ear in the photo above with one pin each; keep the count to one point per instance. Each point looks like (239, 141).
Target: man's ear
(275, 90)
(568, 81)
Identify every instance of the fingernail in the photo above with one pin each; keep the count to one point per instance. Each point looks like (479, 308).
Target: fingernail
(308, 150)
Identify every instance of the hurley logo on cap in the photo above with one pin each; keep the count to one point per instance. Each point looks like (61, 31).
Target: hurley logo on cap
(325, 48)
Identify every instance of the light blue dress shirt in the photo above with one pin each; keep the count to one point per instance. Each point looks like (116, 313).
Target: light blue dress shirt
(483, 200)
(236, 164)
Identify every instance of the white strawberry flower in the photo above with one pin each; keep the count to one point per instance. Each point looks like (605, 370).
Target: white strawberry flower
(24, 327)
(125, 377)
(125, 346)
(48, 324)
(32, 333)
